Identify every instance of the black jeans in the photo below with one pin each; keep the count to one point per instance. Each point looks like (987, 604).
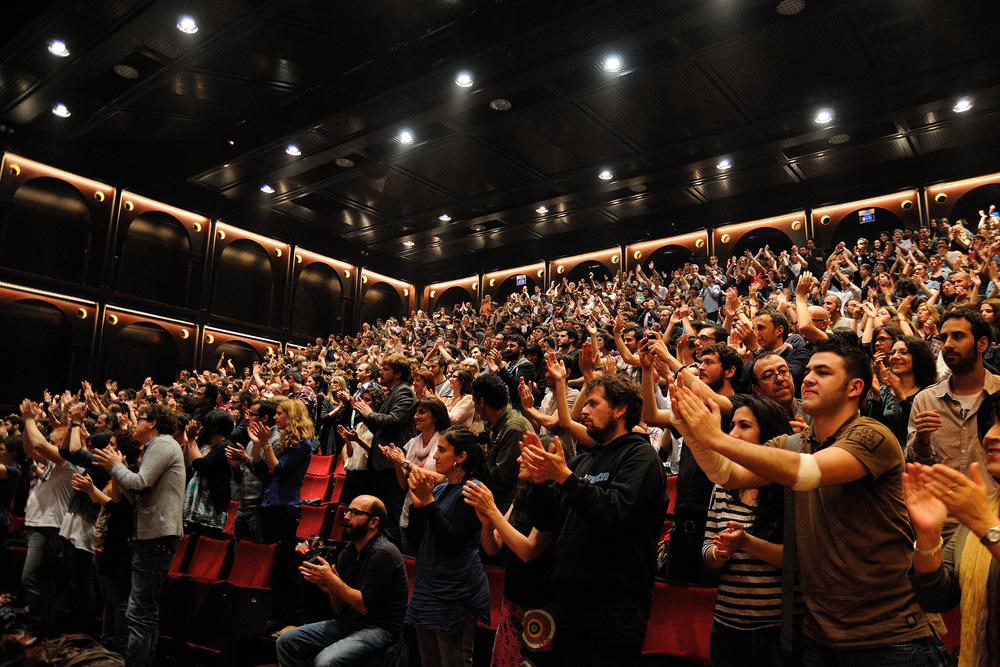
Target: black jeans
(600, 629)
(279, 525)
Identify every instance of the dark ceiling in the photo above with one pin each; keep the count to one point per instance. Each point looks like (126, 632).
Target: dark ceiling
(207, 118)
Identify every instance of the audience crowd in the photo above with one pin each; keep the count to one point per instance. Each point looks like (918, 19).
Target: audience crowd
(830, 415)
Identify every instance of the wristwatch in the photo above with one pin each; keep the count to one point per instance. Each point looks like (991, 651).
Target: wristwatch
(991, 537)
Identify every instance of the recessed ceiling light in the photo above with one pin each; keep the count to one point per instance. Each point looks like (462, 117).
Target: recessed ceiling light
(839, 139)
(293, 150)
(409, 244)
(542, 210)
(187, 24)
(464, 80)
(500, 104)
(612, 63)
(605, 175)
(58, 48)
(405, 137)
(444, 217)
(725, 164)
(790, 7)
(267, 189)
(477, 228)
(61, 110)
(962, 105)
(231, 142)
(125, 72)
(824, 117)
(344, 162)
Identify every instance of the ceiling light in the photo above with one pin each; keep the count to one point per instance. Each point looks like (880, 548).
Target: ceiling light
(125, 72)
(824, 117)
(231, 142)
(605, 175)
(61, 110)
(293, 150)
(542, 210)
(187, 24)
(477, 228)
(613, 64)
(444, 217)
(405, 137)
(500, 104)
(344, 162)
(267, 189)
(464, 80)
(725, 164)
(409, 244)
(962, 105)
(790, 7)
(58, 48)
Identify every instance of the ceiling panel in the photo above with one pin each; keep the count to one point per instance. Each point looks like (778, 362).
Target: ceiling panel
(556, 139)
(388, 192)
(209, 95)
(666, 104)
(465, 166)
(859, 156)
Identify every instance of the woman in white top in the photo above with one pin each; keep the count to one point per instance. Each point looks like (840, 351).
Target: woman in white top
(461, 409)
(431, 418)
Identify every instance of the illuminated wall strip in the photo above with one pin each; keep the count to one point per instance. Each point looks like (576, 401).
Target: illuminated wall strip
(242, 335)
(54, 295)
(865, 202)
(166, 208)
(510, 272)
(671, 240)
(10, 158)
(610, 252)
(263, 240)
(315, 256)
(378, 277)
(992, 178)
(790, 218)
(464, 282)
(150, 316)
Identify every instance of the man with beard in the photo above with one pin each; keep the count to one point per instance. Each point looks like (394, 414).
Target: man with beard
(368, 591)
(515, 369)
(507, 428)
(720, 368)
(942, 426)
(607, 505)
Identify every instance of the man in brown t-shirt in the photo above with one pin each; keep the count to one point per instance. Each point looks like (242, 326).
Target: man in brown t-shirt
(853, 532)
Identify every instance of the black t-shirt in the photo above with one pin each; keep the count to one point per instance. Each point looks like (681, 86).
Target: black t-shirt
(527, 584)
(379, 573)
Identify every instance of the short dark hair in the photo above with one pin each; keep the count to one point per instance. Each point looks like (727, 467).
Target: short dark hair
(519, 339)
(719, 333)
(266, 408)
(465, 378)
(778, 319)
(217, 422)
(491, 389)
(635, 329)
(211, 391)
(857, 365)
(572, 334)
(977, 323)
(294, 376)
(988, 413)
(752, 368)
(619, 391)
(399, 365)
(466, 442)
(728, 357)
(439, 412)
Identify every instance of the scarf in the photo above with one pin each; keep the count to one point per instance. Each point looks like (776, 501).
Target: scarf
(976, 560)
(420, 454)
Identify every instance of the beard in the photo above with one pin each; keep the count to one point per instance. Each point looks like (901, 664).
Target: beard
(510, 355)
(347, 532)
(601, 435)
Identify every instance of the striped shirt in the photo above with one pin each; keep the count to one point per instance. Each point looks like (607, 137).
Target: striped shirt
(749, 589)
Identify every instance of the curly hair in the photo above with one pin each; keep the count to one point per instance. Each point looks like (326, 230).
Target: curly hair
(298, 428)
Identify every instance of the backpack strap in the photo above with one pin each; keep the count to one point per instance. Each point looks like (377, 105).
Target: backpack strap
(788, 561)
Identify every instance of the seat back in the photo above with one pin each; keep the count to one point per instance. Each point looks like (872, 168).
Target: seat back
(680, 622)
(338, 486)
(234, 505)
(495, 576)
(338, 523)
(253, 565)
(316, 486)
(182, 558)
(211, 559)
(321, 465)
(313, 521)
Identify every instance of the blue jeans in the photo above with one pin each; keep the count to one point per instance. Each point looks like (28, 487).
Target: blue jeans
(925, 652)
(335, 643)
(150, 562)
(247, 524)
(38, 579)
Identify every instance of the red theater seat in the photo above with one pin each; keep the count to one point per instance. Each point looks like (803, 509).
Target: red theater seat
(680, 622)
(321, 465)
(313, 522)
(316, 487)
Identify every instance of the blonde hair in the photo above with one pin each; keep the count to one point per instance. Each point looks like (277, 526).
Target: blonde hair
(298, 428)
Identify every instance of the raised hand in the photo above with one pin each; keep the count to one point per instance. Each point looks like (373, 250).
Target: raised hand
(544, 465)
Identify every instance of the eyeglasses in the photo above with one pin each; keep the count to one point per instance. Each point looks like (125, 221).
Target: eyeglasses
(354, 511)
(705, 339)
(884, 339)
(145, 419)
(253, 415)
(771, 376)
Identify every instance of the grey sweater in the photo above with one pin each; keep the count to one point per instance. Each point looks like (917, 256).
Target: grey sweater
(157, 490)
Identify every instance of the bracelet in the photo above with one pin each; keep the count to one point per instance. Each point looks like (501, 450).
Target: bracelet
(932, 551)
(715, 554)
